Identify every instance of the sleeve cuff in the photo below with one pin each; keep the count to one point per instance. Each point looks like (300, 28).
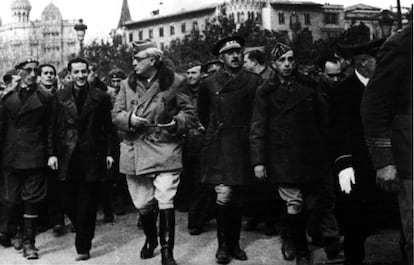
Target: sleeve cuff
(381, 156)
(342, 162)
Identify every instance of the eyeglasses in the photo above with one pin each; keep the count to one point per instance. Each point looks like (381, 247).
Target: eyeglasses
(30, 69)
(139, 59)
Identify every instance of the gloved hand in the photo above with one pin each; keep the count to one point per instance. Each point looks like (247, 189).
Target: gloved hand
(387, 178)
(260, 172)
(346, 178)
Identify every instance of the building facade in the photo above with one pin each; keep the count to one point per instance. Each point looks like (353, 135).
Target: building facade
(50, 39)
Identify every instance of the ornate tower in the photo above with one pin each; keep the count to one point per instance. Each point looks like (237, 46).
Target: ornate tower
(125, 14)
(21, 11)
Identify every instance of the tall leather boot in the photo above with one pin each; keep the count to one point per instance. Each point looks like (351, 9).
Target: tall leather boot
(297, 225)
(167, 231)
(288, 247)
(222, 254)
(233, 225)
(29, 233)
(149, 224)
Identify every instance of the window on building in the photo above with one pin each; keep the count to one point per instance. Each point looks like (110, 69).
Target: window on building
(331, 18)
(161, 32)
(307, 18)
(281, 18)
(195, 25)
(172, 30)
(183, 29)
(140, 35)
(259, 17)
(131, 37)
(150, 34)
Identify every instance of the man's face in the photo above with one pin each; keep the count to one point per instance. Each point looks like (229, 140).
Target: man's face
(232, 58)
(285, 64)
(47, 76)
(333, 72)
(116, 82)
(29, 73)
(249, 64)
(79, 73)
(93, 74)
(194, 75)
(365, 65)
(143, 63)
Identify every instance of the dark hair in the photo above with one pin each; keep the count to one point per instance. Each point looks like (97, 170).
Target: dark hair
(258, 56)
(46, 65)
(77, 60)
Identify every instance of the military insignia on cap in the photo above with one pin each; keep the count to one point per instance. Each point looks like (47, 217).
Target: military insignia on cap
(279, 50)
(25, 61)
(234, 42)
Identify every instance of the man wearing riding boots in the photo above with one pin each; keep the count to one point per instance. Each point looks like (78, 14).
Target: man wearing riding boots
(152, 111)
(225, 104)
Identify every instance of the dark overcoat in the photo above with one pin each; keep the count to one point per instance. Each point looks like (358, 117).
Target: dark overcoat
(91, 129)
(26, 129)
(288, 130)
(387, 108)
(347, 144)
(225, 108)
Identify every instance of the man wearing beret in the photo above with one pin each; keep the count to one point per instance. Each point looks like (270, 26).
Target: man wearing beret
(387, 116)
(287, 144)
(26, 129)
(225, 104)
(152, 111)
(353, 166)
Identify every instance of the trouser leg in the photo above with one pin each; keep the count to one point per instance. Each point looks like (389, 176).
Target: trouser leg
(405, 199)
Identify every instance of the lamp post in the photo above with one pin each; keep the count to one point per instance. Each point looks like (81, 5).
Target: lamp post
(386, 20)
(80, 29)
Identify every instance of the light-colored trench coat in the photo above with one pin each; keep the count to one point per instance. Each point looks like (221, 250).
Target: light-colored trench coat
(152, 149)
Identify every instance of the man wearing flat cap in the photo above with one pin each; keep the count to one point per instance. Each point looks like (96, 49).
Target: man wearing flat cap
(152, 111)
(287, 144)
(26, 129)
(353, 166)
(225, 103)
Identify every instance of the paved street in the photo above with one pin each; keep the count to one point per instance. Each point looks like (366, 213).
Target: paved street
(120, 243)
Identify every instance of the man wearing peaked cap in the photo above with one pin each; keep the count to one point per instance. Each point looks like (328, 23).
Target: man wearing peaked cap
(152, 111)
(225, 103)
(353, 165)
(27, 119)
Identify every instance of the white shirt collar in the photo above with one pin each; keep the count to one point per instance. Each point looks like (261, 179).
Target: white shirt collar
(363, 80)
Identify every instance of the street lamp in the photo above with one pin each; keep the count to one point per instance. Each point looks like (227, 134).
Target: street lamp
(386, 20)
(80, 29)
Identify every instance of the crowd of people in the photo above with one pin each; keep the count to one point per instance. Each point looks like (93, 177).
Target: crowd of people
(236, 137)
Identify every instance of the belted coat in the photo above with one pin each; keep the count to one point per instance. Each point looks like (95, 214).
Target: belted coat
(90, 129)
(152, 149)
(225, 106)
(288, 131)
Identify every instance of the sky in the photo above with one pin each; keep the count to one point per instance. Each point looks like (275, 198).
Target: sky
(103, 15)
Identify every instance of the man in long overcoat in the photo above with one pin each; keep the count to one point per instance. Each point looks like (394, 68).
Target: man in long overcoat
(353, 166)
(83, 142)
(152, 111)
(225, 107)
(26, 129)
(287, 141)
(387, 116)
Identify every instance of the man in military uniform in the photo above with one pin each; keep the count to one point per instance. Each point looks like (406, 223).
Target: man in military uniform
(387, 116)
(225, 103)
(26, 129)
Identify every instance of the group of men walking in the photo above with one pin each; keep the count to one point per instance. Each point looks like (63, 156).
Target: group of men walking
(249, 123)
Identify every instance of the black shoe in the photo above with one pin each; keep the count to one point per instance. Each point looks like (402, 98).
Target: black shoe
(195, 231)
(251, 224)
(30, 251)
(82, 256)
(120, 211)
(58, 230)
(333, 248)
(5, 240)
(270, 230)
(222, 255)
(108, 219)
(288, 250)
(237, 253)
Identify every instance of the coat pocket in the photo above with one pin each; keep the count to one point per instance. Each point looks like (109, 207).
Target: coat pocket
(127, 158)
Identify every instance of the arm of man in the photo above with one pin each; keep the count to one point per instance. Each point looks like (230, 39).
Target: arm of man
(186, 117)
(121, 116)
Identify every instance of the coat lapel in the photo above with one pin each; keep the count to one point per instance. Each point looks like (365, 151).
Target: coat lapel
(300, 93)
(13, 104)
(69, 101)
(147, 97)
(33, 102)
(231, 83)
(91, 99)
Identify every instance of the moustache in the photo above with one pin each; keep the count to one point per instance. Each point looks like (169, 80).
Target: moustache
(235, 60)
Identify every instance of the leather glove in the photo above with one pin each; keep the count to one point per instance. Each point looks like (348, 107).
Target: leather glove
(387, 178)
(260, 172)
(346, 178)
